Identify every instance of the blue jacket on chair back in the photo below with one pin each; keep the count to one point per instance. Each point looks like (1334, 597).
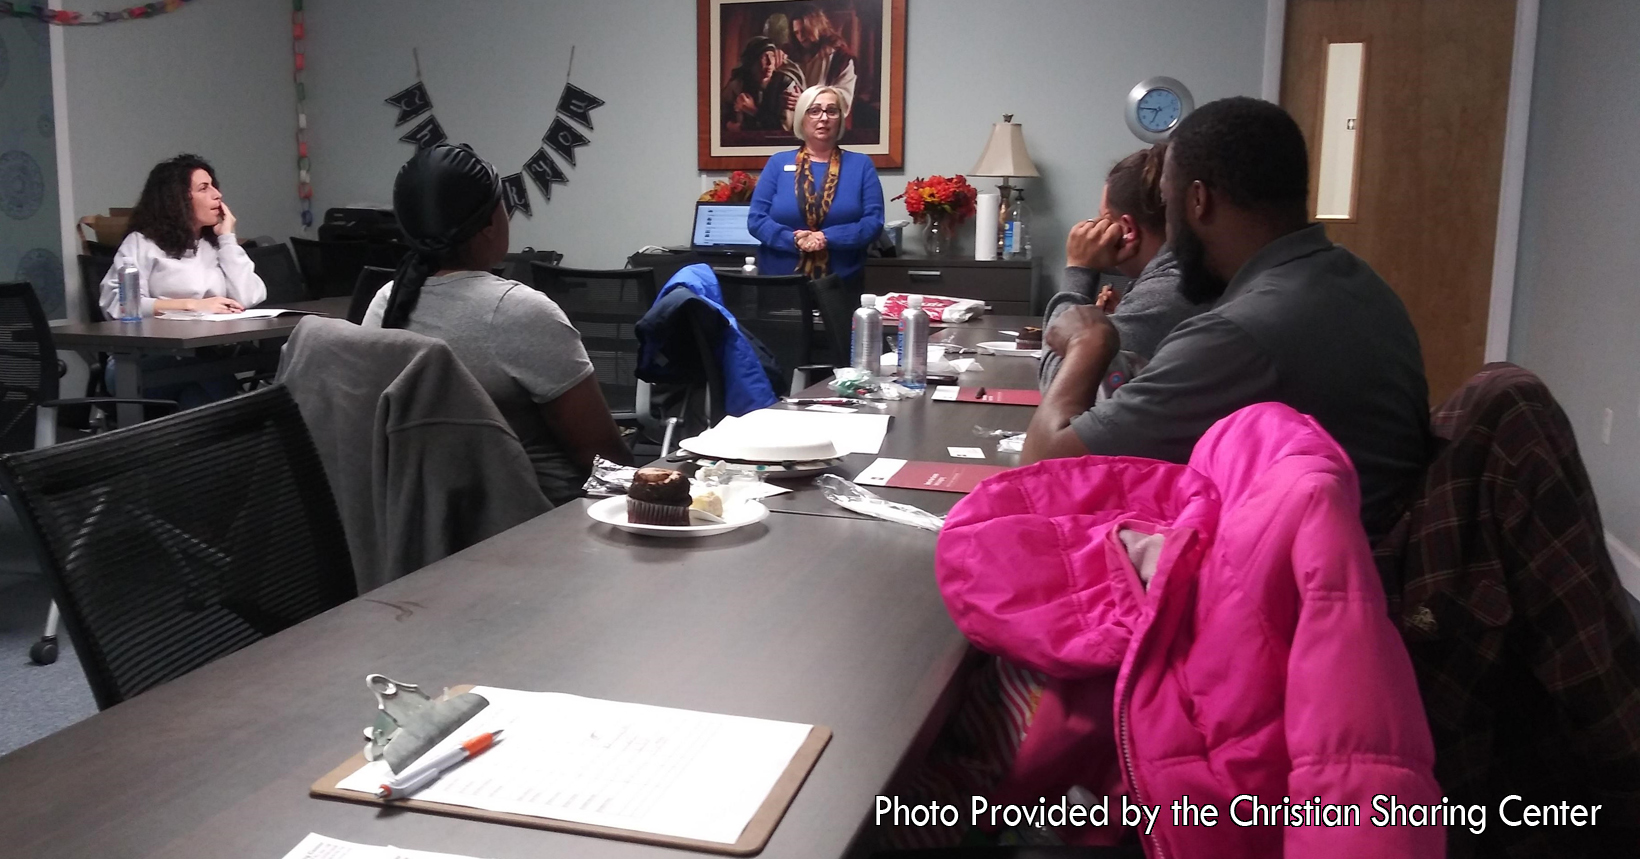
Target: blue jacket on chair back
(664, 342)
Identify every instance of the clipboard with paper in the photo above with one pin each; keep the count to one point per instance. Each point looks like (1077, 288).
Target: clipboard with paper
(634, 772)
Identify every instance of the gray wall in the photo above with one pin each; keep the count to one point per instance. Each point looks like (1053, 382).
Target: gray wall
(495, 69)
(1576, 319)
(213, 78)
(29, 241)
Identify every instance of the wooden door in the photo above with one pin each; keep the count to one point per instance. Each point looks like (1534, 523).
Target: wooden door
(1429, 153)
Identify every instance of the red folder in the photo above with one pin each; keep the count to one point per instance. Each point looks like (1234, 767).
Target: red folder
(937, 476)
(1001, 396)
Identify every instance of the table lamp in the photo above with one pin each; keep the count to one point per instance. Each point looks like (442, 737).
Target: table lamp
(1005, 157)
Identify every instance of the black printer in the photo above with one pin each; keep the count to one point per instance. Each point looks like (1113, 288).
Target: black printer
(359, 224)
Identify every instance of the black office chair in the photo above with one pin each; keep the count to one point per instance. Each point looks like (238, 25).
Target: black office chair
(98, 249)
(92, 271)
(331, 269)
(29, 375)
(516, 266)
(162, 557)
(604, 305)
(836, 306)
(779, 310)
(277, 267)
(371, 280)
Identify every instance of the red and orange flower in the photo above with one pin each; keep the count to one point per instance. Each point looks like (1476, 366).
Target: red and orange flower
(938, 197)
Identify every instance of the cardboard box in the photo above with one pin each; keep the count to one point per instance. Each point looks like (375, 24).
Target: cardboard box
(107, 229)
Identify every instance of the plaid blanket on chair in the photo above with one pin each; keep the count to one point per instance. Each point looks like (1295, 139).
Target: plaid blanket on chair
(1526, 654)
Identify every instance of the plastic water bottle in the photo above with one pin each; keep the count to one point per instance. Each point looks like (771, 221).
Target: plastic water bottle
(1016, 241)
(866, 349)
(750, 267)
(130, 294)
(913, 343)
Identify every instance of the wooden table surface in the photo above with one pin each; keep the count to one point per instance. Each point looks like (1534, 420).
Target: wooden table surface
(813, 619)
(154, 334)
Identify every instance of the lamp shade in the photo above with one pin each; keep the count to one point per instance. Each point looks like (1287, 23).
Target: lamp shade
(1005, 153)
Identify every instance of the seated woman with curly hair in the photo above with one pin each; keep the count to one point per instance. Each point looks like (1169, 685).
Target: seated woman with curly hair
(181, 241)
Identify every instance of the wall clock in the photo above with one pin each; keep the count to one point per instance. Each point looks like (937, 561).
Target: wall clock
(1156, 106)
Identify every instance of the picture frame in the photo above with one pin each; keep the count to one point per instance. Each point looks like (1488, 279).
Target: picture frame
(754, 56)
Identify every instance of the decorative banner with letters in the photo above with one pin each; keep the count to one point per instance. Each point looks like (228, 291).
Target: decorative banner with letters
(545, 172)
(577, 104)
(412, 101)
(515, 195)
(561, 137)
(427, 133)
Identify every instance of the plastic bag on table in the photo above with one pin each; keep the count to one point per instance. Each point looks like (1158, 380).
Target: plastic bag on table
(852, 382)
(1008, 441)
(851, 496)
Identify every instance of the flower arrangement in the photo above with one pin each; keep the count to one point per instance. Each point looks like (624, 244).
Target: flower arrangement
(940, 198)
(736, 189)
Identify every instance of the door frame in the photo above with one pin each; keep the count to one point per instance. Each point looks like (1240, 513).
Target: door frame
(1517, 121)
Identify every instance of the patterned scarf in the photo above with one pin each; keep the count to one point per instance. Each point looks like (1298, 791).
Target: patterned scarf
(814, 208)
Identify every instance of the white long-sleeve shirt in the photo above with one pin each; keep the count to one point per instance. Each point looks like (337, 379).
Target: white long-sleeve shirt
(204, 272)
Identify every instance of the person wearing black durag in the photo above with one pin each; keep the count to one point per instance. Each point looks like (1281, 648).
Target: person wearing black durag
(516, 341)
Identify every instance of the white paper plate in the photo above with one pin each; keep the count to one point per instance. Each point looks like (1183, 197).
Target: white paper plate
(1007, 347)
(778, 470)
(714, 444)
(612, 511)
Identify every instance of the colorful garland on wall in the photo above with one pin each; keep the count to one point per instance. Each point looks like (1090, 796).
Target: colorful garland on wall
(65, 18)
(304, 172)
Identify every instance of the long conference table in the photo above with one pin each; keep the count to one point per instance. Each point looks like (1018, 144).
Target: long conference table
(129, 342)
(820, 619)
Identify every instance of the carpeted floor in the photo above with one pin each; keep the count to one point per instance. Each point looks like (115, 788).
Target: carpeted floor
(35, 700)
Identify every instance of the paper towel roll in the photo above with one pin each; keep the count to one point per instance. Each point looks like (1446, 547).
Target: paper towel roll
(986, 207)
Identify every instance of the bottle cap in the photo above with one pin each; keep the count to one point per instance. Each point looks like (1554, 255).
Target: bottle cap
(751, 260)
(868, 300)
(913, 301)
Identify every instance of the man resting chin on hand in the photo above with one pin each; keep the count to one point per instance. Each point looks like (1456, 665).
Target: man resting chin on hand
(1297, 320)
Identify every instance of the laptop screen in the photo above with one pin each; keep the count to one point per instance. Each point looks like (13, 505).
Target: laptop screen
(722, 225)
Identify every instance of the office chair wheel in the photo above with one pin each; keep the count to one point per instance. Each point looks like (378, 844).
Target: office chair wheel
(44, 651)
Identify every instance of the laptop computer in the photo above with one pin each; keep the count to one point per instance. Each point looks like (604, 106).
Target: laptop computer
(721, 228)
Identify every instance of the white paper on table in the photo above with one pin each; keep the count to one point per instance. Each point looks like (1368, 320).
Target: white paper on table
(316, 846)
(945, 394)
(660, 770)
(880, 472)
(849, 433)
(937, 362)
(254, 313)
(966, 452)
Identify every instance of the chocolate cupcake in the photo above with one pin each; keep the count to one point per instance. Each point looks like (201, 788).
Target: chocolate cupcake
(1029, 338)
(658, 497)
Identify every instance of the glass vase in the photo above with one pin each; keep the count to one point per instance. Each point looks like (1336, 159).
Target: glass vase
(939, 236)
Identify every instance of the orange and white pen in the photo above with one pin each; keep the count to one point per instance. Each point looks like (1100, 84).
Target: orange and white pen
(426, 772)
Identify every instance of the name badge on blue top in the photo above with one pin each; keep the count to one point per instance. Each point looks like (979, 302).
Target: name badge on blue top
(791, 168)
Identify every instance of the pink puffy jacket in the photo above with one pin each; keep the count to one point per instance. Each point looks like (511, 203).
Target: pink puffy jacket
(1260, 659)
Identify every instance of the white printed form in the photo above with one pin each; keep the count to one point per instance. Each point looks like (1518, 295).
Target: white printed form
(316, 846)
(628, 766)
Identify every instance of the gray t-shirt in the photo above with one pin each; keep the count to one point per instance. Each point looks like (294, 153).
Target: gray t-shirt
(1306, 323)
(522, 349)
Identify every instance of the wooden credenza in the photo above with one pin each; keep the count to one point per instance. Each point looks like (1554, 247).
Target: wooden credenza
(1003, 284)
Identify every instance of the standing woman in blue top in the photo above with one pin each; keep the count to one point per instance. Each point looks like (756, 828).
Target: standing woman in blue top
(817, 209)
